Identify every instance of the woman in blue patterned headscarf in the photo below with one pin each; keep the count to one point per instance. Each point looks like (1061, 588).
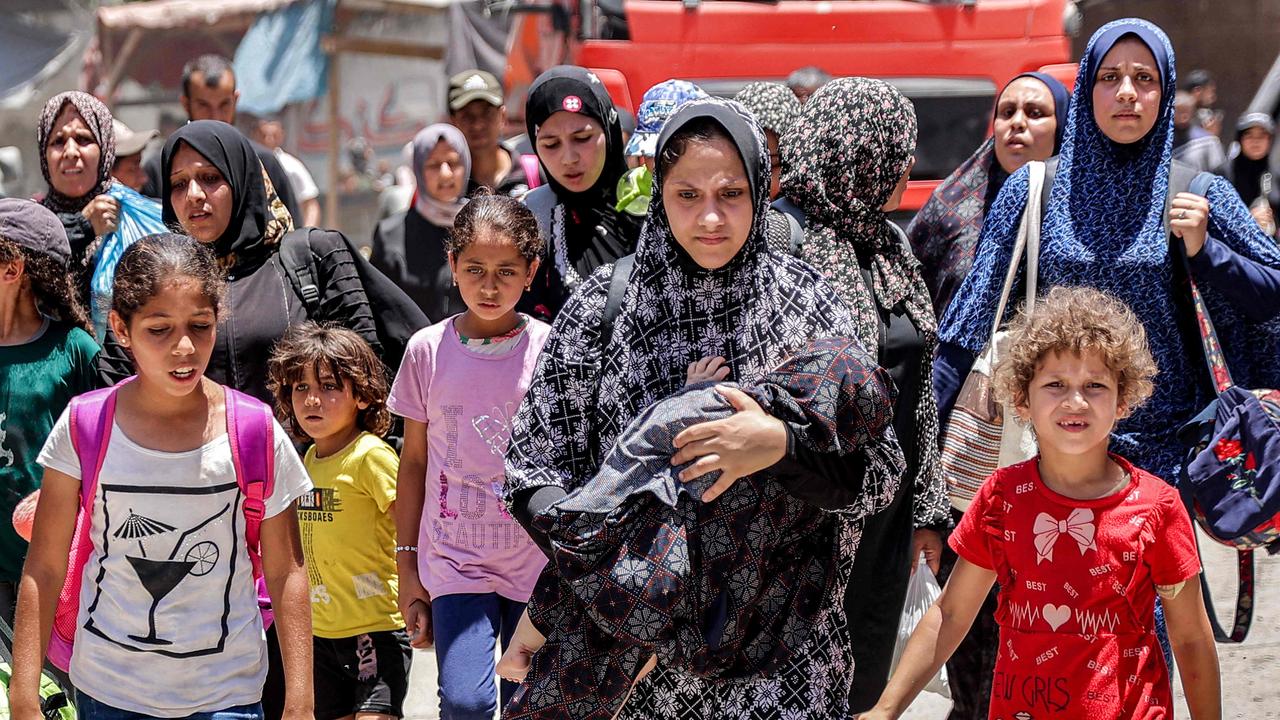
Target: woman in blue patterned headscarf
(1104, 227)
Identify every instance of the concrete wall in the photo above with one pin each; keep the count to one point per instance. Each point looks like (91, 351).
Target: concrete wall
(1236, 40)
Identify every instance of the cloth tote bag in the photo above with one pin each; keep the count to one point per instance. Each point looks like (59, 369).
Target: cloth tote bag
(977, 440)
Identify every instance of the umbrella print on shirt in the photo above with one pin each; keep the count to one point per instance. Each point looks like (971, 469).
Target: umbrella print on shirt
(137, 527)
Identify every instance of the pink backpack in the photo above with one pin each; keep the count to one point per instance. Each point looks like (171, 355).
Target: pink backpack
(249, 430)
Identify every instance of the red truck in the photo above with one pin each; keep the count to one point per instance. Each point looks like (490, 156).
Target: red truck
(950, 56)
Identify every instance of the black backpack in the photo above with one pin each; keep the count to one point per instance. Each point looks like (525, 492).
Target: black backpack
(396, 316)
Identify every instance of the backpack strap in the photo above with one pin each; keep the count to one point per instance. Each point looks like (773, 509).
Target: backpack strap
(299, 265)
(6, 645)
(796, 221)
(613, 302)
(92, 414)
(1050, 172)
(618, 280)
(249, 430)
(1242, 617)
(797, 234)
(90, 417)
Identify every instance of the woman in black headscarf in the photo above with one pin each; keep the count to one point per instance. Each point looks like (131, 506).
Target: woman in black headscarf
(848, 158)
(77, 144)
(576, 133)
(1249, 168)
(213, 186)
(695, 293)
(1030, 117)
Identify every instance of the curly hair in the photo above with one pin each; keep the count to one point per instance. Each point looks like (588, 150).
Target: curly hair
(56, 293)
(336, 351)
(1077, 320)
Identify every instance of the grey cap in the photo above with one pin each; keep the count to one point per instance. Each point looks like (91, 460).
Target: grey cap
(34, 227)
(1256, 120)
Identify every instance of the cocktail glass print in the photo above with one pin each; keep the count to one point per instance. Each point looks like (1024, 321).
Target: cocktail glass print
(160, 576)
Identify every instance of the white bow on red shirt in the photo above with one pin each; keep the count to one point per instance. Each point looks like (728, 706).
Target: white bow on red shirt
(1047, 530)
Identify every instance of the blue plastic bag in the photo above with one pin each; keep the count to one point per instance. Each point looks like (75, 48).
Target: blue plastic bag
(139, 217)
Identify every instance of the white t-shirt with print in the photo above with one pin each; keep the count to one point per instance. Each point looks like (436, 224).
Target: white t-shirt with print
(169, 622)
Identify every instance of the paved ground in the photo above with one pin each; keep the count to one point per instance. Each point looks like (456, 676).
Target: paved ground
(1250, 672)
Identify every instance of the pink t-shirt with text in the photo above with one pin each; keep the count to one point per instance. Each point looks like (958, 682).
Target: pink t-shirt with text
(468, 542)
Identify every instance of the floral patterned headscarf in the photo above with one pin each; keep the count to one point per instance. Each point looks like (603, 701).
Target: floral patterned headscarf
(844, 157)
(98, 118)
(774, 105)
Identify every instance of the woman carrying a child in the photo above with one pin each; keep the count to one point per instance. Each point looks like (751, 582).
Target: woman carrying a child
(704, 285)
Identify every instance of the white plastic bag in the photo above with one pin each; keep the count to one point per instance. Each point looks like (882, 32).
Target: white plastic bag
(922, 591)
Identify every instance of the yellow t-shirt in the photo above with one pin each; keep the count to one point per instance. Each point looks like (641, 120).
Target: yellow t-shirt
(349, 539)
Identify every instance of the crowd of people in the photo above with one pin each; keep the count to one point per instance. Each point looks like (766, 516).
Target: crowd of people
(655, 407)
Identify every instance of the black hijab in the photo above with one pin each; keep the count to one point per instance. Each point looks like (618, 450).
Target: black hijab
(258, 218)
(595, 233)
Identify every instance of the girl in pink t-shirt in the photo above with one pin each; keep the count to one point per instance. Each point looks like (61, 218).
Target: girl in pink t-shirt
(1080, 541)
(466, 567)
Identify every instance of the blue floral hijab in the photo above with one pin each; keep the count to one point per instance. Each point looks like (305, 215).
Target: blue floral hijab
(1104, 228)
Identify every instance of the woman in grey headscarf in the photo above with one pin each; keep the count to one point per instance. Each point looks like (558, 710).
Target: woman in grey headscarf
(409, 248)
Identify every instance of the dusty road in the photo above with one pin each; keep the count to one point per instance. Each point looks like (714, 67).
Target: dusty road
(1250, 672)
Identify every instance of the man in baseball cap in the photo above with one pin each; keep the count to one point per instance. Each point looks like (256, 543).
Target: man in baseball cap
(476, 108)
(129, 146)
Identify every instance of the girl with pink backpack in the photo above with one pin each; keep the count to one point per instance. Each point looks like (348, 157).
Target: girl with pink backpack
(166, 509)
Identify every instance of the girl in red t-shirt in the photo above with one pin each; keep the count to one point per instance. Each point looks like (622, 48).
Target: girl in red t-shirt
(1080, 541)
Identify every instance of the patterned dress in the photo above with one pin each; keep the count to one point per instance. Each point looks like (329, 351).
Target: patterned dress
(753, 311)
(726, 589)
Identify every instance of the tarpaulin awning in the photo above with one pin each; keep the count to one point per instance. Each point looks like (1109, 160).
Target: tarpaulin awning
(28, 54)
(170, 14)
(280, 60)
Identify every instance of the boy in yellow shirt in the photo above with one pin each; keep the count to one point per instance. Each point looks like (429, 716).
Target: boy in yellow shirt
(331, 389)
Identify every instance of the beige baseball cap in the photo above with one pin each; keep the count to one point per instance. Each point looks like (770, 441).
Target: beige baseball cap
(129, 142)
(474, 85)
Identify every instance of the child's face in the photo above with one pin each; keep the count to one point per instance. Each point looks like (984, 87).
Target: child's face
(491, 276)
(1073, 403)
(171, 336)
(324, 410)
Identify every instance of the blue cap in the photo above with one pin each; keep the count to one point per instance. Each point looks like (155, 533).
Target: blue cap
(660, 102)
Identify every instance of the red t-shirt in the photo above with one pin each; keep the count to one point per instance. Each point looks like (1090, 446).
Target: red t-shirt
(1077, 593)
